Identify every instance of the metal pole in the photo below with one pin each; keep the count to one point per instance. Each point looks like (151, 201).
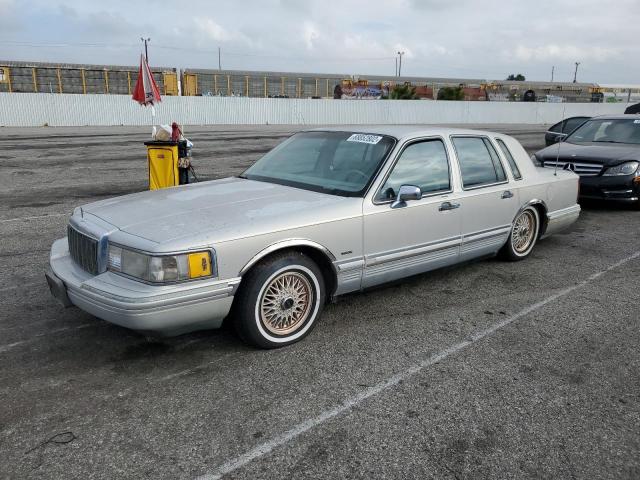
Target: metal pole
(575, 73)
(400, 54)
(146, 49)
(396, 66)
(552, 70)
(219, 60)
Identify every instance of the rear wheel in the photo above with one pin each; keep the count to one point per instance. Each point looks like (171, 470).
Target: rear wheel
(279, 300)
(523, 236)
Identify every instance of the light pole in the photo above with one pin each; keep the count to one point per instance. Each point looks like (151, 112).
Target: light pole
(575, 73)
(400, 64)
(146, 51)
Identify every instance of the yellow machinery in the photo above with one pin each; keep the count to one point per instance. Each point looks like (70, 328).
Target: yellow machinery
(163, 164)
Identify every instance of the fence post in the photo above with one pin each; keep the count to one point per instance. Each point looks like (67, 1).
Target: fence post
(246, 85)
(229, 85)
(265, 87)
(106, 81)
(316, 87)
(8, 70)
(59, 80)
(282, 86)
(35, 82)
(84, 81)
(327, 87)
(215, 84)
(299, 87)
(129, 82)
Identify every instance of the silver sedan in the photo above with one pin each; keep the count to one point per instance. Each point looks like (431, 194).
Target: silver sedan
(325, 213)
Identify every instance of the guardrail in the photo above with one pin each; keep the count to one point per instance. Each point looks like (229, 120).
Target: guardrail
(32, 109)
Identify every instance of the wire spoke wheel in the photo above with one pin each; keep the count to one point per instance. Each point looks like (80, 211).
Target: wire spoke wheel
(524, 231)
(286, 303)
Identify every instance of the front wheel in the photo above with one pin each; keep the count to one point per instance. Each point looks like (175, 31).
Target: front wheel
(279, 300)
(523, 236)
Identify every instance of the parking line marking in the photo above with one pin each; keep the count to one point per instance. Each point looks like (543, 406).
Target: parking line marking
(303, 427)
(34, 217)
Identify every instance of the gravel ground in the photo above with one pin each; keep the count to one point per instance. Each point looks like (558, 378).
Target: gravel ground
(486, 370)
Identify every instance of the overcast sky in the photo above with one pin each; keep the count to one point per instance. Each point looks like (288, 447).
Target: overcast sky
(444, 38)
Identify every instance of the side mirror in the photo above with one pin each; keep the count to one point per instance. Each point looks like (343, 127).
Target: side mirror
(559, 137)
(406, 193)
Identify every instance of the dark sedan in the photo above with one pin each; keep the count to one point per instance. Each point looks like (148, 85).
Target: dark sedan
(605, 152)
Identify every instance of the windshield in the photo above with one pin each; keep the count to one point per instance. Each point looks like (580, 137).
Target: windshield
(340, 163)
(607, 131)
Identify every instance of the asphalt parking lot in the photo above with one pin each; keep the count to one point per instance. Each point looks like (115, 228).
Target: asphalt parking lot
(487, 370)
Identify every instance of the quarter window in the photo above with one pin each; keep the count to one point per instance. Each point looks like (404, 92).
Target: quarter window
(423, 164)
(512, 162)
(479, 162)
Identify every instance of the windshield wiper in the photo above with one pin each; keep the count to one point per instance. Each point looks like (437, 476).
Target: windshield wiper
(606, 141)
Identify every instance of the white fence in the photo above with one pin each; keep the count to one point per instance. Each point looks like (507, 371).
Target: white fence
(37, 109)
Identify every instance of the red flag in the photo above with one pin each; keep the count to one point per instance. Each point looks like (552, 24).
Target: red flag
(146, 91)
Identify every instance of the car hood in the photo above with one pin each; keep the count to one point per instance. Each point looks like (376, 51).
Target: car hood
(605, 153)
(224, 210)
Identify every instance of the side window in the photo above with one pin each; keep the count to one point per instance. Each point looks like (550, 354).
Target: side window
(479, 162)
(557, 127)
(512, 162)
(572, 123)
(423, 164)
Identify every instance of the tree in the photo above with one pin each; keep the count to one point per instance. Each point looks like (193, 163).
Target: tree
(451, 93)
(403, 92)
(518, 78)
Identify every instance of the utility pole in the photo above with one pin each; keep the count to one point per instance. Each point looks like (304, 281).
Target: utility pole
(219, 62)
(146, 50)
(400, 64)
(552, 70)
(575, 73)
(396, 66)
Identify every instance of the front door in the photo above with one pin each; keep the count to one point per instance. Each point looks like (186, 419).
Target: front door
(419, 235)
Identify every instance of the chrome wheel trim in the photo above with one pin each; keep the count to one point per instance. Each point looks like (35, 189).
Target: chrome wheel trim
(286, 303)
(312, 317)
(524, 231)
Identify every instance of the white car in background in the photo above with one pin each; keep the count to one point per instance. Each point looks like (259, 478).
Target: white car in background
(327, 212)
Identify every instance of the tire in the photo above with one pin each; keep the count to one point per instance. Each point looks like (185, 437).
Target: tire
(523, 236)
(279, 300)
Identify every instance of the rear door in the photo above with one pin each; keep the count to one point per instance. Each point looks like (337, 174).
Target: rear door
(489, 200)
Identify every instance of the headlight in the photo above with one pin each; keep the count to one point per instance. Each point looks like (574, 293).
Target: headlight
(160, 268)
(627, 168)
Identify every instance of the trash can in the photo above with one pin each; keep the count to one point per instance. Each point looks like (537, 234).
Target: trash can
(163, 164)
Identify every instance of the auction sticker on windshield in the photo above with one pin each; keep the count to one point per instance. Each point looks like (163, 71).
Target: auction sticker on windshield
(362, 138)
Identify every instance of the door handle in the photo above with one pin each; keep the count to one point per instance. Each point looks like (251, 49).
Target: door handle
(507, 194)
(448, 206)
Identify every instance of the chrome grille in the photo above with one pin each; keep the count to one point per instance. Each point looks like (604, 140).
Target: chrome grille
(582, 169)
(83, 250)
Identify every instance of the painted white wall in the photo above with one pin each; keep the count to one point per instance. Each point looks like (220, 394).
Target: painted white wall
(37, 109)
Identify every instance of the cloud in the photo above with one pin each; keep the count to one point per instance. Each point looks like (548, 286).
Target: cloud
(309, 34)
(440, 37)
(564, 52)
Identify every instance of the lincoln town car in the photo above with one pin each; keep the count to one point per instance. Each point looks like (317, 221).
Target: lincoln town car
(327, 212)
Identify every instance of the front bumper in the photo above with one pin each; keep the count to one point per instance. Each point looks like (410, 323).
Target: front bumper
(160, 309)
(622, 188)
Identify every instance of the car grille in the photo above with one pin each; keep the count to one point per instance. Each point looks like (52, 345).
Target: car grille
(582, 169)
(83, 250)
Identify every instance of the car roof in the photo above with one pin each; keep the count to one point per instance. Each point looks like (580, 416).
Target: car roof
(404, 131)
(627, 116)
